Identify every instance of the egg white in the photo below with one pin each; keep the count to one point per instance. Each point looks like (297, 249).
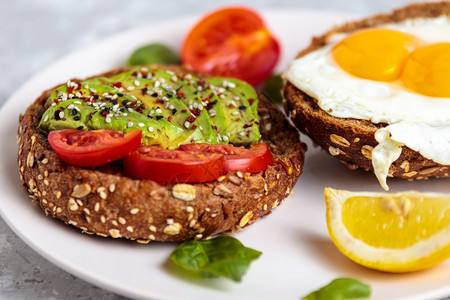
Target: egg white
(420, 122)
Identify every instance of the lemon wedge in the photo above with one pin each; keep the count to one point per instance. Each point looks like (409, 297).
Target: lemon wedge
(393, 232)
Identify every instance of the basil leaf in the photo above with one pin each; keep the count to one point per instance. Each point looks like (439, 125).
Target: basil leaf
(154, 54)
(341, 289)
(272, 89)
(221, 256)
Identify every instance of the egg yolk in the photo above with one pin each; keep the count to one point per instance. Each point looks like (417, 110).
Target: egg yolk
(375, 54)
(427, 71)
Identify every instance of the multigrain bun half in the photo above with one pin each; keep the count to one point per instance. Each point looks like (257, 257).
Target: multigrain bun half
(352, 140)
(105, 202)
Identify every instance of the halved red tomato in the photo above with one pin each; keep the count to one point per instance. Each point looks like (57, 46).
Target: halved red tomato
(163, 165)
(233, 42)
(93, 148)
(252, 160)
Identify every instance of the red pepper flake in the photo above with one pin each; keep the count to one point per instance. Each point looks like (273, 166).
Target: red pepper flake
(180, 94)
(118, 84)
(133, 103)
(61, 107)
(250, 101)
(147, 85)
(196, 112)
(238, 119)
(184, 110)
(169, 118)
(191, 119)
(194, 126)
(141, 108)
(248, 125)
(159, 101)
(70, 90)
(257, 123)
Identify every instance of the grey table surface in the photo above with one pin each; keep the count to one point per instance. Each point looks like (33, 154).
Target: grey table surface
(34, 33)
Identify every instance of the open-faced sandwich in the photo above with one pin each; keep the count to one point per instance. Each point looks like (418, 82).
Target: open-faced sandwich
(375, 93)
(157, 153)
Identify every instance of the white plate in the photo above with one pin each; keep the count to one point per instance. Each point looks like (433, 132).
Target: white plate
(298, 255)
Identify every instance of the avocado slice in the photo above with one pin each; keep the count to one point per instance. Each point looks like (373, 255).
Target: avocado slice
(237, 110)
(170, 108)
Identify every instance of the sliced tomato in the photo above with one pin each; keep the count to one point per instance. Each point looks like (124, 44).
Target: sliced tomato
(93, 148)
(233, 42)
(252, 160)
(162, 165)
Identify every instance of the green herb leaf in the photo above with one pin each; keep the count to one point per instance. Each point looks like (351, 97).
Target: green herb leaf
(341, 289)
(154, 54)
(272, 89)
(221, 256)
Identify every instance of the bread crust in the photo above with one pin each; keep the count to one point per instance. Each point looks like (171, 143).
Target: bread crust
(106, 202)
(352, 140)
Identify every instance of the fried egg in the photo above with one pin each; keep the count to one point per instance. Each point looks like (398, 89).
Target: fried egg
(398, 74)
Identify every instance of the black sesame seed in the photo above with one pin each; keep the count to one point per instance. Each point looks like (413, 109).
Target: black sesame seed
(144, 90)
(74, 111)
(174, 111)
(122, 109)
(114, 102)
(159, 117)
(95, 96)
(242, 107)
(77, 118)
(169, 95)
(57, 115)
(120, 94)
(80, 127)
(155, 95)
(196, 92)
(90, 117)
(124, 102)
(214, 102)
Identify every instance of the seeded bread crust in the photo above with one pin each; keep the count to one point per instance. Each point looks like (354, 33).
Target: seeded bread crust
(351, 140)
(105, 202)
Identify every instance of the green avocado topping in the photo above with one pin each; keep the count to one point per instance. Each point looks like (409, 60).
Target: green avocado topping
(170, 108)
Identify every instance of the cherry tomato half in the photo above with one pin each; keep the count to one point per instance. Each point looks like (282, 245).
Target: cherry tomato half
(232, 42)
(251, 160)
(163, 165)
(93, 148)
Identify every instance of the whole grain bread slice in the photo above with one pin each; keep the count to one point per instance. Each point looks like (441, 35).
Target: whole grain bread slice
(351, 140)
(105, 202)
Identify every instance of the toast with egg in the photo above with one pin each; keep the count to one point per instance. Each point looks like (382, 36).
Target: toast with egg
(106, 202)
(351, 139)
